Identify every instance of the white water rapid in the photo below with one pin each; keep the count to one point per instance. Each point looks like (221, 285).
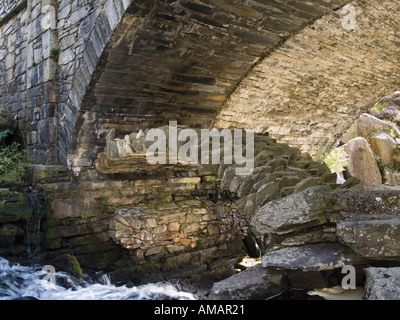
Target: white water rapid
(27, 282)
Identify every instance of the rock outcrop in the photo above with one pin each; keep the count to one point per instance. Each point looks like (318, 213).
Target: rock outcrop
(362, 163)
(252, 284)
(372, 145)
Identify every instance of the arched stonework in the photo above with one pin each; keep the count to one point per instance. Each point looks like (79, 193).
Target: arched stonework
(179, 60)
(312, 88)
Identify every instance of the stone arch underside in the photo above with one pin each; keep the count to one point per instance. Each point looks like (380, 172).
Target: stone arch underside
(269, 66)
(311, 89)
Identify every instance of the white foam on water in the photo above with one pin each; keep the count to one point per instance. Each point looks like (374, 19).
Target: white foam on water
(18, 281)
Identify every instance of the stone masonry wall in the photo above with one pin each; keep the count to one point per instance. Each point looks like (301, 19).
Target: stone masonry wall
(176, 220)
(312, 88)
(28, 73)
(50, 53)
(41, 49)
(10, 7)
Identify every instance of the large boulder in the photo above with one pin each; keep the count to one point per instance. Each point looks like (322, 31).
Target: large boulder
(315, 257)
(295, 212)
(382, 283)
(383, 145)
(362, 163)
(252, 284)
(372, 239)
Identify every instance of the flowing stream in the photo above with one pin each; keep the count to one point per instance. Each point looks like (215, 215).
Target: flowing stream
(29, 282)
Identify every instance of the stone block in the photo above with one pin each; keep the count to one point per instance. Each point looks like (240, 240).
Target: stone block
(383, 145)
(372, 238)
(317, 257)
(362, 163)
(62, 209)
(297, 211)
(382, 283)
(251, 284)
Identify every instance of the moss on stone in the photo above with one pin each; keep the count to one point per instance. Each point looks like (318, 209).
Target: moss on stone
(68, 263)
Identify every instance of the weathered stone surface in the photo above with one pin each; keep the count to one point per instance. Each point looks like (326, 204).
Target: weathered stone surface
(379, 202)
(383, 145)
(373, 239)
(67, 209)
(362, 163)
(251, 284)
(316, 257)
(317, 235)
(14, 206)
(247, 106)
(367, 126)
(297, 211)
(308, 183)
(49, 173)
(68, 263)
(391, 178)
(382, 283)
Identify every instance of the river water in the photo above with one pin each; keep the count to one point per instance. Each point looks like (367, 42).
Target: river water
(29, 282)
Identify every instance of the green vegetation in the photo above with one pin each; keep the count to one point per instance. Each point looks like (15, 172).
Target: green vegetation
(102, 204)
(86, 216)
(13, 160)
(396, 151)
(379, 107)
(55, 54)
(337, 160)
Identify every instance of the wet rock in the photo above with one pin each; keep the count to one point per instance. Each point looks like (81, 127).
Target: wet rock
(297, 211)
(382, 283)
(67, 263)
(251, 284)
(7, 230)
(14, 206)
(362, 163)
(317, 257)
(373, 239)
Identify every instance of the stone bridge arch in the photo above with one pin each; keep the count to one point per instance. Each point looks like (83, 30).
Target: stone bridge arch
(288, 68)
(71, 71)
(172, 60)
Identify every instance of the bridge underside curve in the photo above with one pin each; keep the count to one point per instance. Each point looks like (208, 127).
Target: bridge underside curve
(312, 88)
(265, 66)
